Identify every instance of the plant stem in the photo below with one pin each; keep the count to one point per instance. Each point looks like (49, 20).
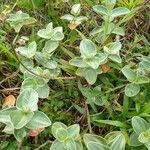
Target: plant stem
(19, 146)
(88, 117)
(15, 39)
(43, 145)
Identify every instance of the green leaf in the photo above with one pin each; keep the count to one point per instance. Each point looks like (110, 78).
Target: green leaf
(112, 122)
(73, 131)
(29, 83)
(79, 145)
(46, 33)
(28, 63)
(93, 141)
(97, 60)
(19, 19)
(80, 72)
(119, 31)
(61, 134)
(119, 11)
(43, 92)
(96, 146)
(57, 34)
(67, 17)
(87, 48)
(110, 2)
(51, 64)
(9, 129)
(94, 138)
(139, 124)
(142, 79)
(56, 145)
(102, 57)
(113, 48)
(93, 62)
(39, 120)
(145, 64)
(96, 30)
(118, 143)
(56, 126)
(100, 9)
(90, 75)
(115, 58)
(19, 118)
(129, 73)
(50, 46)
(80, 19)
(70, 144)
(144, 137)
(76, 9)
(134, 140)
(29, 51)
(5, 115)
(78, 62)
(18, 16)
(132, 89)
(147, 145)
(27, 100)
(20, 134)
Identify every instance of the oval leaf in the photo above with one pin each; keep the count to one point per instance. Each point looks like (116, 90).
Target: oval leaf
(39, 120)
(27, 100)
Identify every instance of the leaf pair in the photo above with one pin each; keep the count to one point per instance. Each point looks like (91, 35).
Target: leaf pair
(73, 18)
(114, 141)
(19, 19)
(29, 51)
(24, 116)
(66, 137)
(112, 50)
(133, 88)
(141, 134)
(116, 12)
(89, 61)
(50, 33)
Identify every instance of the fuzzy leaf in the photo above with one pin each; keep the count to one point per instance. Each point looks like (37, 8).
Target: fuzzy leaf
(27, 100)
(139, 124)
(29, 51)
(20, 118)
(119, 11)
(132, 89)
(100, 9)
(76, 9)
(73, 131)
(87, 48)
(90, 75)
(39, 120)
(50, 46)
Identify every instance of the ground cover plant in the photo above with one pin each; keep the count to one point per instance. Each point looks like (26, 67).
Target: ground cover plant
(74, 75)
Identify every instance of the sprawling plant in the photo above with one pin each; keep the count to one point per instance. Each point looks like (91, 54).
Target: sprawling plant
(97, 57)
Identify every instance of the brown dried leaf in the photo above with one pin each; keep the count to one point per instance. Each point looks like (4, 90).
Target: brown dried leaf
(9, 101)
(72, 25)
(105, 68)
(35, 132)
